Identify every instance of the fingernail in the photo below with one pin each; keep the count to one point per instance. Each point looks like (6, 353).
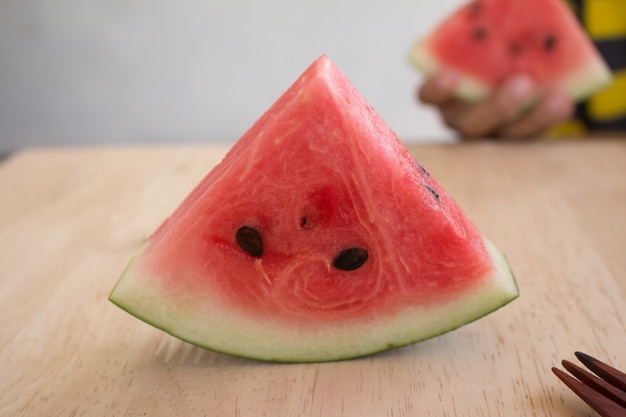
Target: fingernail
(518, 87)
(559, 105)
(446, 79)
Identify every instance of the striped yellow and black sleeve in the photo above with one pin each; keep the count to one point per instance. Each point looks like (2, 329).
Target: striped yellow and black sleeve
(605, 22)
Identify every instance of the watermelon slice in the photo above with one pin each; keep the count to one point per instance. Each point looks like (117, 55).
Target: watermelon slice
(318, 237)
(488, 40)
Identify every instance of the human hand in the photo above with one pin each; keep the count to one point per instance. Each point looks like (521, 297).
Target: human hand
(504, 114)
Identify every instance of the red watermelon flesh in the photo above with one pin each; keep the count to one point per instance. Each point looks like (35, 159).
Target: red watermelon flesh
(489, 40)
(319, 174)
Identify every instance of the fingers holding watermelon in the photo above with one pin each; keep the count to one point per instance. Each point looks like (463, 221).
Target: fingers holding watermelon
(487, 42)
(551, 108)
(505, 113)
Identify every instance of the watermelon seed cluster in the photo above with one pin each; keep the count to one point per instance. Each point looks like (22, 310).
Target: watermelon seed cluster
(480, 33)
(249, 239)
(427, 174)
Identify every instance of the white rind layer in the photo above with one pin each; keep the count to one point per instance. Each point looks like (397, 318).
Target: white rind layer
(581, 83)
(211, 326)
(586, 80)
(468, 88)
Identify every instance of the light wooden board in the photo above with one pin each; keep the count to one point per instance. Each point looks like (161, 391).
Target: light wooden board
(70, 219)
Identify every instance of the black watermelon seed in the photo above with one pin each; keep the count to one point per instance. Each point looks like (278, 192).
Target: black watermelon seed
(515, 48)
(549, 42)
(433, 192)
(421, 168)
(249, 239)
(475, 7)
(350, 259)
(479, 33)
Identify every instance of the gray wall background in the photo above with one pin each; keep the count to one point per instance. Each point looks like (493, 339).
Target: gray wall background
(157, 71)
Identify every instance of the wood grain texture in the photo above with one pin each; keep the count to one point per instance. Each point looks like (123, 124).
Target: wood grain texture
(70, 219)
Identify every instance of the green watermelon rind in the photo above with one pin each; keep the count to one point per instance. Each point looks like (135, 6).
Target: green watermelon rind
(579, 85)
(248, 337)
(468, 88)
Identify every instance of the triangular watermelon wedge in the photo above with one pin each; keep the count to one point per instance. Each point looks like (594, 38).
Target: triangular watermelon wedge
(486, 41)
(317, 238)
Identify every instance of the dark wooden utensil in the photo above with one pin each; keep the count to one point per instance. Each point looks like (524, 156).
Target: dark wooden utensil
(605, 393)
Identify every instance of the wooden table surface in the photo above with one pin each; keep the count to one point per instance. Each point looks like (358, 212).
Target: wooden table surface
(70, 219)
